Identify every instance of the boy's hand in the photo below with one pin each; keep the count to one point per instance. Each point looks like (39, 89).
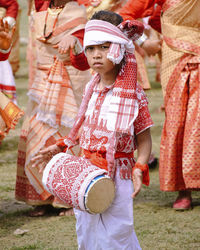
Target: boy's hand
(44, 156)
(137, 182)
(6, 35)
(67, 42)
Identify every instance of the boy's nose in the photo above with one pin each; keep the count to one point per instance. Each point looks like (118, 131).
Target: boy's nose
(97, 53)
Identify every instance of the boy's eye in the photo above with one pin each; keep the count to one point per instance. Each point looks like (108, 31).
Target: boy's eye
(105, 46)
(89, 48)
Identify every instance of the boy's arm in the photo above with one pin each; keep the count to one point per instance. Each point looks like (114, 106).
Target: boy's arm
(142, 124)
(140, 172)
(144, 145)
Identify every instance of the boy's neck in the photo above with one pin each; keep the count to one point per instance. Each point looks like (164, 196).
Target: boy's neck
(103, 84)
(108, 79)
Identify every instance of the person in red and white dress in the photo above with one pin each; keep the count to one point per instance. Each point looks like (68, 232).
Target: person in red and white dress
(61, 72)
(9, 112)
(179, 164)
(7, 82)
(113, 121)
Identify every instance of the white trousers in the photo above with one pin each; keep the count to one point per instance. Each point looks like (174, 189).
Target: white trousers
(113, 229)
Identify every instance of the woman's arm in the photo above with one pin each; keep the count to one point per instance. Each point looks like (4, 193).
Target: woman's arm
(135, 9)
(6, 36)
(72, 45)
(11, 7)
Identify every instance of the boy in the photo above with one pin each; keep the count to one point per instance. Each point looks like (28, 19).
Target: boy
(114, 120)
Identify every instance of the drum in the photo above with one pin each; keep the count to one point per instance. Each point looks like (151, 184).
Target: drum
(78, 183)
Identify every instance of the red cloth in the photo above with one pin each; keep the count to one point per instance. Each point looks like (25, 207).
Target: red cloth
(135, 9)
(3, 56)
(96, 158)
(79, 61)
(11, 7)
(154, 20)
(145, 172)
(41, 5)
(86, 3)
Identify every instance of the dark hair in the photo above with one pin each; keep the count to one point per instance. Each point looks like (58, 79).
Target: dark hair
(107, 16)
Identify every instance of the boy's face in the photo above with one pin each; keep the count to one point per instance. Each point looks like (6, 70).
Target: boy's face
(97, 58)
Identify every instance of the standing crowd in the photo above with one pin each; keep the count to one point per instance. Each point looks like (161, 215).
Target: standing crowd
(86, 97)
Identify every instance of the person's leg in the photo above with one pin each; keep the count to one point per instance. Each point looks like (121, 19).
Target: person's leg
(113, 229)
(41, 210)
(66, 212)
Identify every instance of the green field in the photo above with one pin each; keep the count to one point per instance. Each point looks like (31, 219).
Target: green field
(157, 225)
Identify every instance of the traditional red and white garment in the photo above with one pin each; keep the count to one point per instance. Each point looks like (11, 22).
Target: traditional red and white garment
(96, 137)
(107, 123)
(54, 96)
(4, 56)
(7, 81)
(10, 13)
(123, 106)
(41, 5)
(179, 165)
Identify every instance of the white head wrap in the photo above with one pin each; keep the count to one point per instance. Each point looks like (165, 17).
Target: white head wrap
(98, 32)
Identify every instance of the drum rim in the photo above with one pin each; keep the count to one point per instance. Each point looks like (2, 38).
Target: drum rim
(91, 185)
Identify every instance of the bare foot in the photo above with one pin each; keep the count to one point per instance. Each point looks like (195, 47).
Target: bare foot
(66, 212)
(152, 161)
(39, 211)
(161, 108)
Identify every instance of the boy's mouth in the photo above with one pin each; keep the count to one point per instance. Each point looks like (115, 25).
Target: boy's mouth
(97, 64)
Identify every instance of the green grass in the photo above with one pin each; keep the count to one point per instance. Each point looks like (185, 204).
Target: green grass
(158, 227)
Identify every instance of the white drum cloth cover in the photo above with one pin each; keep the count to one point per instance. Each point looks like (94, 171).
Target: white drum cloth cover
(68, 177)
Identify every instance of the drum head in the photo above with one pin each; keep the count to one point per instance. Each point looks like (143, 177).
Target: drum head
(100, 195)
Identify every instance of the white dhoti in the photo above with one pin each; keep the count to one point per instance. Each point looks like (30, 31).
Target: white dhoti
(113, 229)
